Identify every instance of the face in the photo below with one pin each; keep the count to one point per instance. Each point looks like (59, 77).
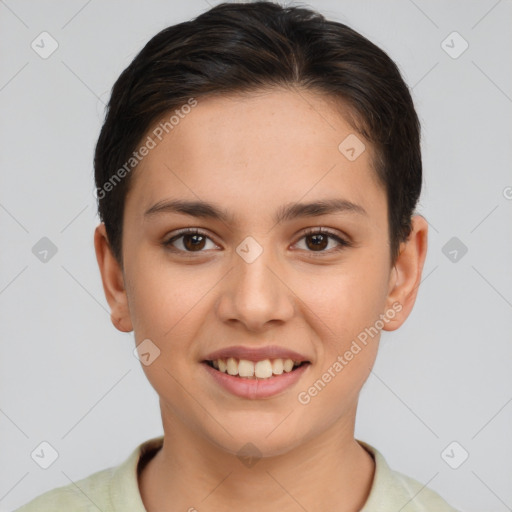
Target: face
(257, 275)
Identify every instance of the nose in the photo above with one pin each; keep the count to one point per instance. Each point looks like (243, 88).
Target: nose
(255, 293)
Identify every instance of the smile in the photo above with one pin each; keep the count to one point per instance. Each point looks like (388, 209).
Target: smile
(264, 369)
(262, 379)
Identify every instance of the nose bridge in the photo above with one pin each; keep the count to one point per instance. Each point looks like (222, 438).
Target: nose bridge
(253, 270)
(255, 294)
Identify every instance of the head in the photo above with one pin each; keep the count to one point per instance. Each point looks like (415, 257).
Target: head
(239, 118)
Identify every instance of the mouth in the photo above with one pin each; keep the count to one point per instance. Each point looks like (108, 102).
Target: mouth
(255, 370)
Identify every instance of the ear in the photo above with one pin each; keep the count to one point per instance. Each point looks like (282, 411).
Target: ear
(113, 281)
(405, 276)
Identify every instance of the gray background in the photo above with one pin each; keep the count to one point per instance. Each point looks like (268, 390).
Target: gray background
(69, 378)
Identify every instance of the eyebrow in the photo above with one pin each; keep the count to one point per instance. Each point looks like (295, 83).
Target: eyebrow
(287, 212)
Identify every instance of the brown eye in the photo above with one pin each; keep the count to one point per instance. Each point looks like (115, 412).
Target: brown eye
(317, 240)
(193, 242)
(188, 241)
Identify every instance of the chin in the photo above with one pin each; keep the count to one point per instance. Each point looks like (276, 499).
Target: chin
(250, 436)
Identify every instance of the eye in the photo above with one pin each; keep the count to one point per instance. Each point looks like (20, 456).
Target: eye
(194, 240)
(317, 240)
(189, 240)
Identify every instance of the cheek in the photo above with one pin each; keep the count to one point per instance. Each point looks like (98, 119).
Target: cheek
(343, 311)
(346, 299)
(166, 298)
(167, 304)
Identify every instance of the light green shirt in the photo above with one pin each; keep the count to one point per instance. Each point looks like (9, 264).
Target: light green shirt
(116, 489)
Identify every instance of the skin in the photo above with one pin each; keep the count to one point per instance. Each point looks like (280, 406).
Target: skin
(250, 155)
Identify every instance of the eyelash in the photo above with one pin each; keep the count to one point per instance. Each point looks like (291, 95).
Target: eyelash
(310, 231)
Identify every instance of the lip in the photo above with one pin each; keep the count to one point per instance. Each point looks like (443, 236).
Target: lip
(256, 388)
(256, 354)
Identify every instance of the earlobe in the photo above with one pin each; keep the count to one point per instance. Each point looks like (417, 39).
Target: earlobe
(113, 281)
(406, 275)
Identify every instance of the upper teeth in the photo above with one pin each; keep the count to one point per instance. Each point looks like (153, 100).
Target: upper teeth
(260, 369)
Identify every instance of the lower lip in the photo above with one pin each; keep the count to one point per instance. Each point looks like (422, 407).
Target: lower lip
(257, 388)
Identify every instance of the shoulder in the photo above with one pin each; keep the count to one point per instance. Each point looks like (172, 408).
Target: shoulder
(109, 490)
(90, 493)
(417, 497)
(392, 490)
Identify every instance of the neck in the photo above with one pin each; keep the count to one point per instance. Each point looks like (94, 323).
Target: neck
(330, 472)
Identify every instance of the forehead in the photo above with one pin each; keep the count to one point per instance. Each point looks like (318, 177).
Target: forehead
(269, 146)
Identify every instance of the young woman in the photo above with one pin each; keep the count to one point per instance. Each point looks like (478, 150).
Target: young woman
(257, 174)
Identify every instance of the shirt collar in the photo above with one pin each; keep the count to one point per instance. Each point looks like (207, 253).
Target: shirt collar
(386, 492)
